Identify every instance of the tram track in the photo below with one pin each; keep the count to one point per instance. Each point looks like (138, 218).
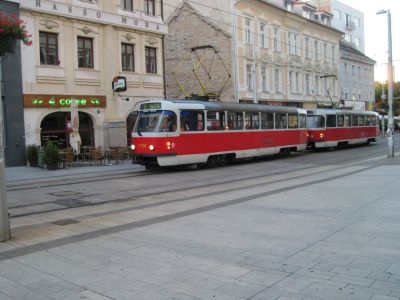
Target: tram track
(174, 212)
(49, 182)
(208, 184)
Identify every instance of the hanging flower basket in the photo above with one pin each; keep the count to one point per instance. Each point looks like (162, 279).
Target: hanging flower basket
(11, 30)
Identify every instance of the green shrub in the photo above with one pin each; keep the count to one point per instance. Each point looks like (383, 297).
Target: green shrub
(51, 154)
(32, 155)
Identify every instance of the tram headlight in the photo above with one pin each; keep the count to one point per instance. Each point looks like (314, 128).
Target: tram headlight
(133, 147)
(321, 135)
(151, 147)
(168, 145)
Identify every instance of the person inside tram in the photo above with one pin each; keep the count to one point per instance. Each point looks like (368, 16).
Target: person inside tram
(185, 125)
(168, 124)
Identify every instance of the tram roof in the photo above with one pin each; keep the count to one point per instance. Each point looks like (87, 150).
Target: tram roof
(325, 111)
(233, 106)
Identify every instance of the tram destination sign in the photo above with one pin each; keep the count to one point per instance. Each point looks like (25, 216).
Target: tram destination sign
(51, 101)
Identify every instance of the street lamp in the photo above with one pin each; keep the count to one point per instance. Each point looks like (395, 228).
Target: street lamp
(390, 84)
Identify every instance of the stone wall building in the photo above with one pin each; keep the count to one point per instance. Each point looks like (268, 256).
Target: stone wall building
(275, 56)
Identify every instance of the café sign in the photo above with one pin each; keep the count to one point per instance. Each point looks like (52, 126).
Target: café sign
(59, 101)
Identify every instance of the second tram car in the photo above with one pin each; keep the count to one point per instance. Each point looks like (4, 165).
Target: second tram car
(182, 132)
(336, 128)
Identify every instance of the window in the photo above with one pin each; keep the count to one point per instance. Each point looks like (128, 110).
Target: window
(128, 57)
(249, 76)
(354, 120)
(347, 121)
(307, 83)
(264, 85)
(316, 85)
(361, 121)
(192, 120)
(48, 48)
(215, 120)
(267, 120)
(280, 121)
(337, 14)
(297, 82)
(331, 121)
(347, 20)
(345, 68)
(251, 120)
(302, 121)
(85, 52)
(149, 7)
(357, 42)
(291, 38)
(316, 121)
(340, 121)
(248, 30)
(235, 120)
(325, 52)
(293, 120)
(127, 5)
(277, 83)
(333, 54)
(307, 47)
(276, 39)
(356, 22)
(291, 87)
(353, 69)
(263, 35)
(151, 60)
(347, 38)
(316, 52)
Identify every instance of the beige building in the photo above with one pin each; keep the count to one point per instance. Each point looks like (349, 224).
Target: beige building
(276, 54)
(79, 47)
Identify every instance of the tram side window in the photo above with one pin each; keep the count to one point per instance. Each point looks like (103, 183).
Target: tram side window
(347, 121)
(302, 121)
(375, 121)
(192, 120)
(354, 120)
(251, 120)
(361, 121)
(280, 121)
(215, 120)
(293, 121)
(267, 121)
(331, 121)
(235, 120)
(340, 121)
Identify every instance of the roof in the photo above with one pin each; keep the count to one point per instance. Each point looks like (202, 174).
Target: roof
(344, 46)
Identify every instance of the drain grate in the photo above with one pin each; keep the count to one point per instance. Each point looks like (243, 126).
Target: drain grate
(65, 222)
(72, 202)
(65, 193)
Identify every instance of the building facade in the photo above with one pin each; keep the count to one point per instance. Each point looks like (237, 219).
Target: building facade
(79, 47)
(356, 79)
(11, 99)
(276, 55)
(346, 19)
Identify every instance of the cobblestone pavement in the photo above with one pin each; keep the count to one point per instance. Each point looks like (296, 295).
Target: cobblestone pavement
(332, 236)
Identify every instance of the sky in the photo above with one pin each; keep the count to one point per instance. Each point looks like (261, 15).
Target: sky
(376, 33)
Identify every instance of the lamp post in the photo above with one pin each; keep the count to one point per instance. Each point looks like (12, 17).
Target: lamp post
(390, 85)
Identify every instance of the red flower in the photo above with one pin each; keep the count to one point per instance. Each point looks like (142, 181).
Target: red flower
(11, 27)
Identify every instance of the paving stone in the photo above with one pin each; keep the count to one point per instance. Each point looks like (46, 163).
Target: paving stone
(206, 294)
(246, 291)
(229, 271)
(353, 280)
(19, 292)
(315, 273)
(383, 285)
(264, 278)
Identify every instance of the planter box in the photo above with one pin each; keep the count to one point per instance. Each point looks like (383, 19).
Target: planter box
(7, 45)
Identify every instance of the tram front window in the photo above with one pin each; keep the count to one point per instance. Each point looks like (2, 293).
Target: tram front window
(315, 121)
(156, 121)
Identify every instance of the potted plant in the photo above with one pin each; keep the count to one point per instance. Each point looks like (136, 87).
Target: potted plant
(11, 30)
(51, 156)
(32, 155)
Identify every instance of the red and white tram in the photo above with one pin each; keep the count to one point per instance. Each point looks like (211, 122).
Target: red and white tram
(336, 128)
(181, 132)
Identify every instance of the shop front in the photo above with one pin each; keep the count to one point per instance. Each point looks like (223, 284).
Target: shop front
(48, 118)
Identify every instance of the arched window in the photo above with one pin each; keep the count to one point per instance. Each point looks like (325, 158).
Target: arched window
(56, 127)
